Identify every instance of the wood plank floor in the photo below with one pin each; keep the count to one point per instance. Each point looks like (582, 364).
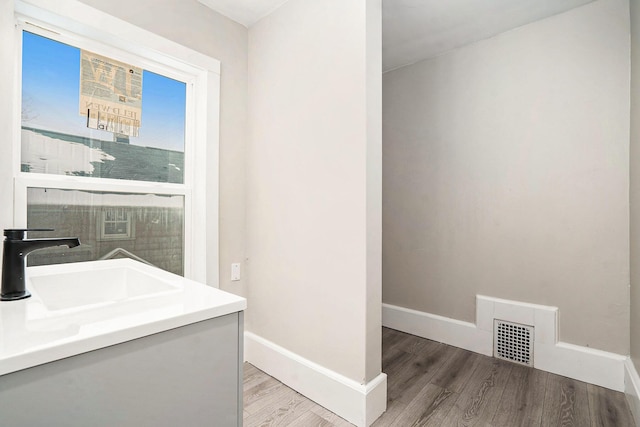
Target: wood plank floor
(433, 384)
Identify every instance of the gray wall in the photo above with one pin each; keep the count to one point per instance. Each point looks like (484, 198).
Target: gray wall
(635, 182)
(313, 177)
(506, 173)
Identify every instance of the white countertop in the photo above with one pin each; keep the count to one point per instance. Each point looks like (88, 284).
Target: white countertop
(32, 333)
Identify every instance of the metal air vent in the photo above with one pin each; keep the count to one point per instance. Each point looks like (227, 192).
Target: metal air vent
(513, 342)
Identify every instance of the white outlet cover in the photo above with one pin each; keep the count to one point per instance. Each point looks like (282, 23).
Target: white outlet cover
(235, 272)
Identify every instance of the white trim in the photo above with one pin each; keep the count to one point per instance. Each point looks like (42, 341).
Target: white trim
(582, 363)
(360, 404)
(97, 184)
(181, 72)
(72, 15)
(442, 329)
(632, 389)
(205, 215)
(75, 19)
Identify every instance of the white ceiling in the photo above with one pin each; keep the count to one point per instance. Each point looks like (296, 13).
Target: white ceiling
(246, 12)
(413, 30)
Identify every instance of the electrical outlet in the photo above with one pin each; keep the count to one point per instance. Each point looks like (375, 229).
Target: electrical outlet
(235, 272)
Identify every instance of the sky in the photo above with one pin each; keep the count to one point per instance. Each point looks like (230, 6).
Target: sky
(50, 97)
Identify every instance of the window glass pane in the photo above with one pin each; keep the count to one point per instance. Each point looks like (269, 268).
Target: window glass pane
(62, 130)
(149, 226)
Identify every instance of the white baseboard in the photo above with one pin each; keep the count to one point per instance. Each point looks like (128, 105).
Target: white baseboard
(632, 389)
(442, 329)
(360, 404)
(581, 363)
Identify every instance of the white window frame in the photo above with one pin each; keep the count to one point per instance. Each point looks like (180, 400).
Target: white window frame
(102, 225)
(79, 25)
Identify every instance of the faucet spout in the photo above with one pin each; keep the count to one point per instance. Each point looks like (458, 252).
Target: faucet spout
(29, 245)
(15, 251)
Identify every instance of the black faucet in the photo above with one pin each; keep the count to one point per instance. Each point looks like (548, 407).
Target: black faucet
(15, 251)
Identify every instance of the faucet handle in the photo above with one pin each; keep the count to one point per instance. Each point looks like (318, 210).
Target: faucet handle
(18, 233)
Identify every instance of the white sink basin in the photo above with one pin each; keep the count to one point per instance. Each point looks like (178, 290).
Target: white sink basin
(84, 306)
(86, 288)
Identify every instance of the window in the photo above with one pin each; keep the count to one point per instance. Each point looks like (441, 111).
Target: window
(149, 226)
(112, 142)
(81, 117)
(116, 224)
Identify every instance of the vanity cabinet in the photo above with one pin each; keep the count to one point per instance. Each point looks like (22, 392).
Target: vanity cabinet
(186, 376)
